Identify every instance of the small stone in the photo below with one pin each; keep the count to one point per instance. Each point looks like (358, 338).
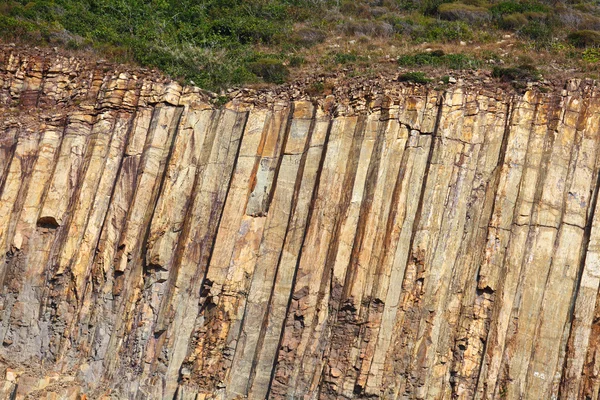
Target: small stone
(452, 80)
(11, 375)
(335, 373)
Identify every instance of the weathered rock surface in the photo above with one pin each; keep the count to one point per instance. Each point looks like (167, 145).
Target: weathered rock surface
(400, 243)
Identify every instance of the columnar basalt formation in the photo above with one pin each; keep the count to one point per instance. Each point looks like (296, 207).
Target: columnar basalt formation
(403, 243)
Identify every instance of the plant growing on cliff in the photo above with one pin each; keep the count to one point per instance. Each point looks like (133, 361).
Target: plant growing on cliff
(414, 77)
(271, 70)
(524, 72)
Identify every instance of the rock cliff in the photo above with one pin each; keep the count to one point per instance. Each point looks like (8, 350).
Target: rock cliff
(398, 242)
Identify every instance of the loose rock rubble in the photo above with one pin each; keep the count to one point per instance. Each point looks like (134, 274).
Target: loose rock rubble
(382, 240)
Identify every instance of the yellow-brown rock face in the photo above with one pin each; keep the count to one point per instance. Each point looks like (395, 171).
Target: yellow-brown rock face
(417, 244)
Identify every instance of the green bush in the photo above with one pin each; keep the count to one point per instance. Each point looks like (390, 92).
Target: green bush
(270, 70)
(297, 60)
(539, 31)
(432, 30)
(367, 28)
(525, 72)
(463, 12)
(591, 55)
(14, 28)
(512, 7)
(513, 21)
(344, 58)
(415, 77)
(461, 61)
(584, 38)
(308, 37)
(439, 59)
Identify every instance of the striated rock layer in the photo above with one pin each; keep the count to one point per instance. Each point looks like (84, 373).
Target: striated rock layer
(412, 244)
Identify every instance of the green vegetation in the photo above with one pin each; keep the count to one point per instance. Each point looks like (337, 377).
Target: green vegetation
(270, 69)
(523, 72)
(222, 43)
(439, 59)
(415, 77)
(584, 38)
(591, 55)
(463, 12)
(511, 7)
(212, 42)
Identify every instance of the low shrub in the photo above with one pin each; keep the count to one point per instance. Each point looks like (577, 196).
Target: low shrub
(463, 12)
(401, 24)
(270, 70)
(344, 58)
(441, 31)
(591, 55)
(514, 21)
(296, 60)
(584, 38)
(512, 7)
(591, 8)
(316, 88)
(355, 8)
(377, 12)
(320, 88)
(525, 72)
(248, 29)
(368, 28)
(439, 59)
(415, 77)
(461, 61)
(420, 59)
(540, 31)
(574, 19)
(308, 37)
(14, 28)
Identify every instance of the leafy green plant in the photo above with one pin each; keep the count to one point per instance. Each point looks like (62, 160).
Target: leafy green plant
(591, 55)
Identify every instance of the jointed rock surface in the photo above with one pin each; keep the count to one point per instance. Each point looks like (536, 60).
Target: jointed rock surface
(394, 242)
